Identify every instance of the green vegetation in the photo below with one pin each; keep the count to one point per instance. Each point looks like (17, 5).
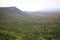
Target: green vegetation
(21, 27)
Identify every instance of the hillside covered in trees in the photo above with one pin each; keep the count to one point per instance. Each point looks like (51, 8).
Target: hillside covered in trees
(15, 25)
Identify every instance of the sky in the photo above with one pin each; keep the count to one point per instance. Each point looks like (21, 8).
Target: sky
(31, 5)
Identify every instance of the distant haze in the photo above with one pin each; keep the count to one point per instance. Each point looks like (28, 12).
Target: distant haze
(31, 5)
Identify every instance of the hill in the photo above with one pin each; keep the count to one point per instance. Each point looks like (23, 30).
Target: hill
(48, 14)
(10, 10)
(11, 14)
(18, 25)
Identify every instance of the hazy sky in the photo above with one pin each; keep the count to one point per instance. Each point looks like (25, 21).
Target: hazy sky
(31, 5)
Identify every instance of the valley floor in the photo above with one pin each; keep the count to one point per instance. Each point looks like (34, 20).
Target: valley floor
(33, 29)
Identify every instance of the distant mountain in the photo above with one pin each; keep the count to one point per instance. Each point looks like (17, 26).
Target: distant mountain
(49, 14)
(12, 14)
(10, 10)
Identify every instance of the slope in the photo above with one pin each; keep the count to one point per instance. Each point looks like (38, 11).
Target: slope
(18, 26)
